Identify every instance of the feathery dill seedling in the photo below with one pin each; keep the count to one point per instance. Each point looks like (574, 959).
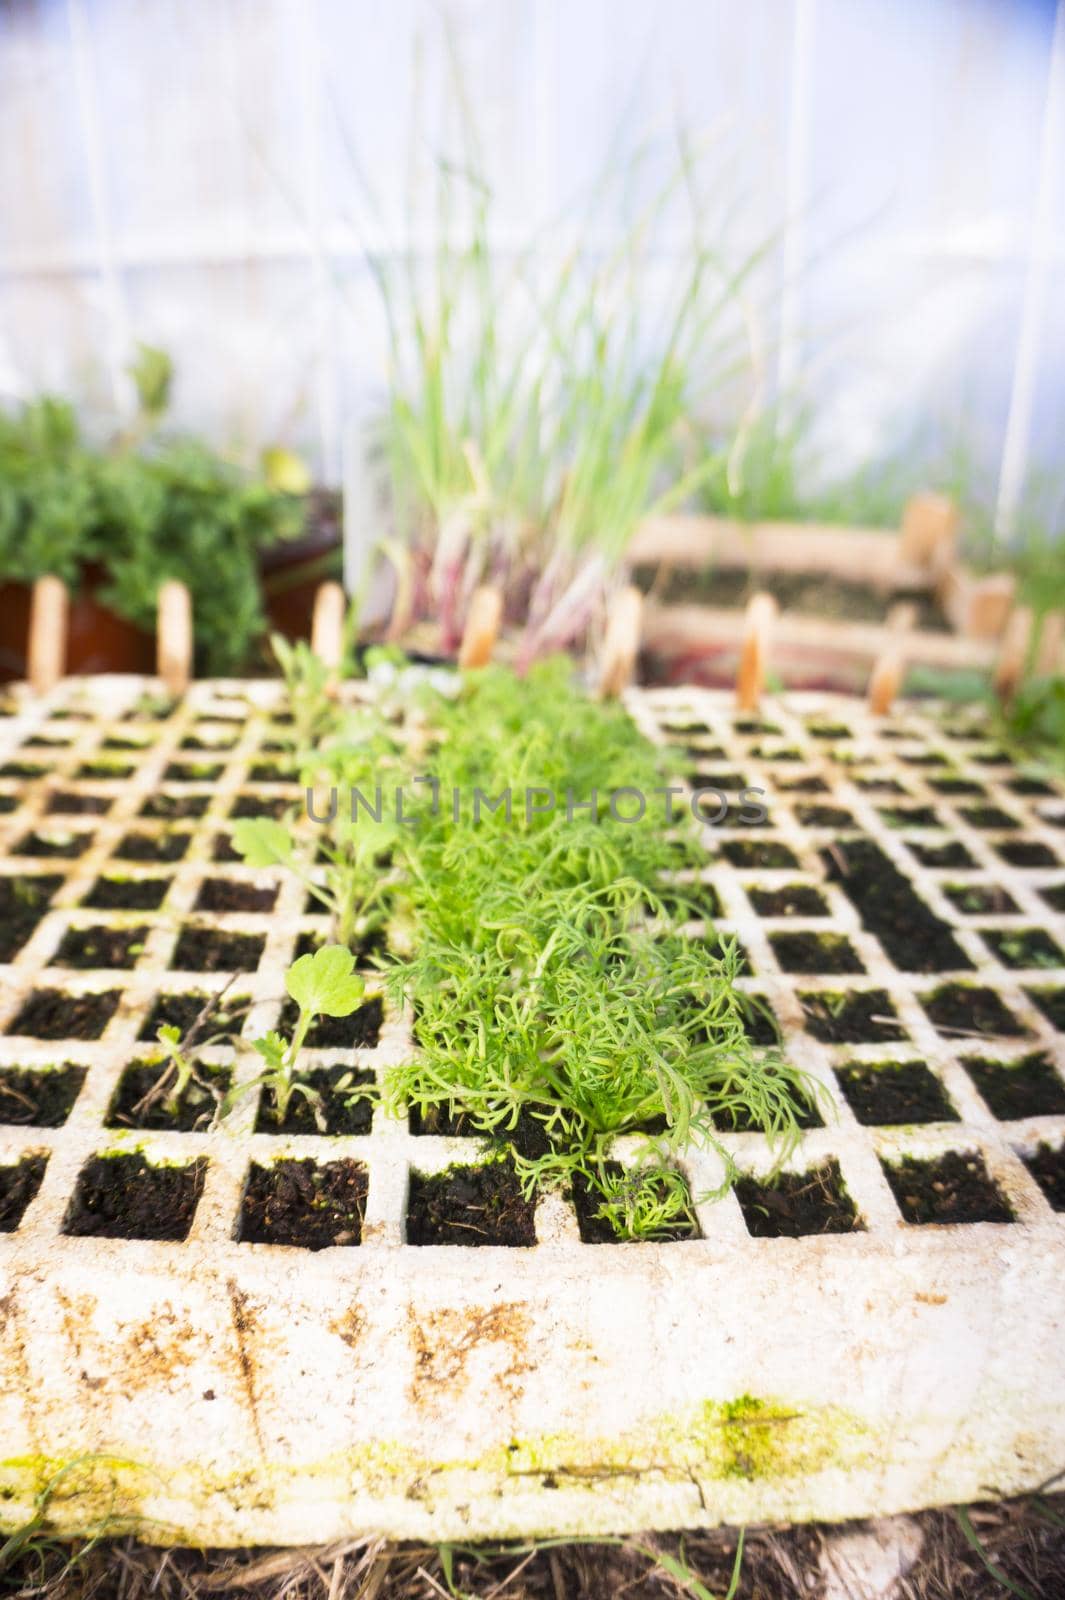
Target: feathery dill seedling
(553, 1004)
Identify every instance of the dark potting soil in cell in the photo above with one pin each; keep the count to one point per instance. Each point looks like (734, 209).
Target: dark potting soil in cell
(964, 1010)
(1047, 1167)
(117, 742)
(876, 783)
(40, 1099)
(209, 743)
(796, 900)
(1026, 853)
(815, 952)
(8, 803)
(824, 817)
(175, 807)
(152, 846)
(223, 894)
(208, 950)
(828, 730)
(911, 934)
(258, 805)
(802, 783)
(124, 1197)
(303, 1204)
(1030, 786)
(23, 902)
(954, 1187)
(267, 772)
(223, 848)
(193, 772)
(373, 944)
(980, 899)
(595, 1229)
(106, 771)
(1054, 896)
(342, 1108)
(85, 948)
(23, 769)
(61, 846)
(481, 1205)
(49, 1014)
(360, 1030)
(143, 1095)
(953, 854)
(892, 1094)
(796, 1204)
(956, 785)
(910, 816)
(127, 894)
(763, 853)
(18, 1186)
(1023, 947)
(182, 1011)
(923, 758)
(864, 1016)
(1014, 1089)
(1051, 1003)
(988, 817)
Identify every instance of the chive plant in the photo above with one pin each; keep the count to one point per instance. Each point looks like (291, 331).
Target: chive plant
(538, 404)
(555, 1003)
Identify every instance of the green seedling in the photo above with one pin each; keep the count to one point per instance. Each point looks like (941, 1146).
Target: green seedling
(646, 1202)
(323, 985)
(307, 685)
(354, 887)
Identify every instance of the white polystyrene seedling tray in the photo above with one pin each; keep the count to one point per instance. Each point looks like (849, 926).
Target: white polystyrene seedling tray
(217, 1391)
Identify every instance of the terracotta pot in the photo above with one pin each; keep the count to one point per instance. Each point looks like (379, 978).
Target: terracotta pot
(98, 640)
(290, 573)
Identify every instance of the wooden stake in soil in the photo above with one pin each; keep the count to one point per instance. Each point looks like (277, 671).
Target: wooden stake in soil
(1013, 657)
(46, 652)
(754, 651)
(622, 642)
(929, 531)
(327, 624)
(482, 626)
(885, 680)
(173, 636)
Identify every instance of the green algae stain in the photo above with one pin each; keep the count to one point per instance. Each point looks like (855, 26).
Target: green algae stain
(745, 1440)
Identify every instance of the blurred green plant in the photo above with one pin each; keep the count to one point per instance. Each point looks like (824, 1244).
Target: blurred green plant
(143, 511)
(538, 402)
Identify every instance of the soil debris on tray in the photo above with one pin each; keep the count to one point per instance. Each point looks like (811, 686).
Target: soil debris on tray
(954, 1187)
(477, 1205)
(125, 1197)
(794, 1205)
(50, 1014)
(142, 1098)
(87, 948)
(1014, 1089)
(861, 1016)
(39, 1097)
(1047, 1167)
(893, 1094)
(23, 902)
(967, 1010)
(912, 935)
(304, 1204)
(18, 1186)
